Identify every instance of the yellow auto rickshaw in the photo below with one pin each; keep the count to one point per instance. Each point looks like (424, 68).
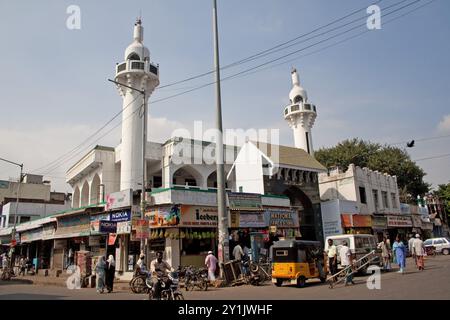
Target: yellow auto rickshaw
(296, 261)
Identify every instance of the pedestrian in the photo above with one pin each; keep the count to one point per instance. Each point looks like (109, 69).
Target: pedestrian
(346, 262)
(238, 252)
(332, 257)
(411, 245)
(400, 254)
(211, 264)
(385, 254)
(100, 272)
(419, 252)
(110, 273)
(70, 256)
(23, 265)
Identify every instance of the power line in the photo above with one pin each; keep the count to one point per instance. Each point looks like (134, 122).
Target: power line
(433, 157)
(245, 72)
(266, 51)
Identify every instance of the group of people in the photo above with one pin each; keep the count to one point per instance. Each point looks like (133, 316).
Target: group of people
(396, 255)
(105, 273)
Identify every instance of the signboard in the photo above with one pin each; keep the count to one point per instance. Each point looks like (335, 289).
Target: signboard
(195, 216)
(60, 243)
(356, 220)
(119, 199)
(48, 231)
(112, 239)
(107, 226)
(120, 216)
(379, 222)
(399, 221)
(94, 241)
(123, 227)
(164, 216)
(416, 221)
(142, 229)
(79, 224)
(405, 208)
(31, 235)
(281, 218)
(252, 220)
(95, 222)
(244, 201)
(427, 225)
(4, 184)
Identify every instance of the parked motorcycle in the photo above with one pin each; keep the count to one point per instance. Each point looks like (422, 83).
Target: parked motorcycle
(196, 278)
(170, 289)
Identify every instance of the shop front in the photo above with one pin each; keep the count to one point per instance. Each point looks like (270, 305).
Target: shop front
(357, 223)
(71, 235)
(379, 226)
(118, 243)
(399, 225)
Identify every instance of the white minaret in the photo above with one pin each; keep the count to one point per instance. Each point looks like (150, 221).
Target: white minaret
(300, 115)
(137, 72)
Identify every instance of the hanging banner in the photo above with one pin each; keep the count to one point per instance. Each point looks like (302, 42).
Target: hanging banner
(141, 228)
(195, 216)
(244, 201)
(71, 225)
(95, 222)
(120, 216)
(119, 199)
(112, 239)
(281, 218)
(108, 226)
(124, 227)
(164, 216)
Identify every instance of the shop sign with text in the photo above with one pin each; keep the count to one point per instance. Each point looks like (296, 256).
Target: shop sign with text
(195, 216)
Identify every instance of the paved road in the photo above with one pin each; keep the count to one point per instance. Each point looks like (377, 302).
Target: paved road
(433, 283)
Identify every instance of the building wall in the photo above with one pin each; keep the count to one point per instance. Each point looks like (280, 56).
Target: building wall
(32, 210)
(346, 186)
(249, 170)
(8, 189)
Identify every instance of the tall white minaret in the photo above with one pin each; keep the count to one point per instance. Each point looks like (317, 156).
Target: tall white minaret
(300, 115)
(137, 72)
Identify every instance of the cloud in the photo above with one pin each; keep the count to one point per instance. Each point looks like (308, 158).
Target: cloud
(444, 124)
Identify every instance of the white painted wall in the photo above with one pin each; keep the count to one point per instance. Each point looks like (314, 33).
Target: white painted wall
(248, 170)
(33, 210)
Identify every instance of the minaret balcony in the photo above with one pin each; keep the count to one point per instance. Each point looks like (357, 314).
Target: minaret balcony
(298, 108)
(137, 66)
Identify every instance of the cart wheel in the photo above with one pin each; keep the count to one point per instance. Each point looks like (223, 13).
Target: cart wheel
(301, 281)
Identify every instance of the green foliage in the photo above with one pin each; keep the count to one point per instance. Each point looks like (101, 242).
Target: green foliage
(382, 158)
(443, 192)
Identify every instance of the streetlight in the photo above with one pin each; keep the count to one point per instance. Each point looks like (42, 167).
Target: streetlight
(13, 233)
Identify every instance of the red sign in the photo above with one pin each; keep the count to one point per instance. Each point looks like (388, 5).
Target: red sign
(142, 229)
(13, 243)
(112, 239)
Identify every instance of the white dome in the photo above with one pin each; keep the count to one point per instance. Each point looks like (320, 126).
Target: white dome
(139, 49)
(298, 91)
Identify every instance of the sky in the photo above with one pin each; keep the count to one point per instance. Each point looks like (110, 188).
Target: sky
(388, 85)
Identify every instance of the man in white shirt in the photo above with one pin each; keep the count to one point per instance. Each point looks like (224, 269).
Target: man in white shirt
(332, 257)
(346, 260)
(238, 252)
(411, 246)
(419, 252)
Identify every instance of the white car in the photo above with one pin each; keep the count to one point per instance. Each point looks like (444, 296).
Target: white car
(441, 245)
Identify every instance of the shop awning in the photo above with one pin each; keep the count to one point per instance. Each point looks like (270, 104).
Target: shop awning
(70, 235)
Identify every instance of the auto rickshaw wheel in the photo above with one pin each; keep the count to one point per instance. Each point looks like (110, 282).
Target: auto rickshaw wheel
(279, 282)
(301, 281)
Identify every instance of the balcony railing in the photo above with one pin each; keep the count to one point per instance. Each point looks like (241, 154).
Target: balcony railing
(294, 108)
(134, 65)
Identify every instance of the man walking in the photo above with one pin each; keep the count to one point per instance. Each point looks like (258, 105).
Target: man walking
(347, 261)
(419, 252)
(211, 263)
(332, 257)
(411, 246)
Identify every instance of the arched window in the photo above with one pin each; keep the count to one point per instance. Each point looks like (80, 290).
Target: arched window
(134, 56)
(298, 99)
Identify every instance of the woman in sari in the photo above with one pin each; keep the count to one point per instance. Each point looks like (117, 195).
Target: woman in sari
(100, 273)
(400, 254)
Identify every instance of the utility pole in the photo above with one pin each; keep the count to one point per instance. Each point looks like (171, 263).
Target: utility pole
(221, 200)
(144, 149)
(13, 233)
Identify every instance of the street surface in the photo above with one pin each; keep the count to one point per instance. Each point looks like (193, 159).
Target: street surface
(431, 284)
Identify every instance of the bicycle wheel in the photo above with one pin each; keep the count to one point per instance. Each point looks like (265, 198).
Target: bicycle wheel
(138, 285)
(178, 296)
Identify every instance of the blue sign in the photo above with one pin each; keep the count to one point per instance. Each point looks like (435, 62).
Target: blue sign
(120, 216)
(108, 226)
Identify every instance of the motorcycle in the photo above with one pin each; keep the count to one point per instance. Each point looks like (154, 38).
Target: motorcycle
(170, 289)
(196, 278)
(252, 273)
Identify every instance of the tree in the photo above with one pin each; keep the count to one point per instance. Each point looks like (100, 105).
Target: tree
(382, 158)
(443, 192)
